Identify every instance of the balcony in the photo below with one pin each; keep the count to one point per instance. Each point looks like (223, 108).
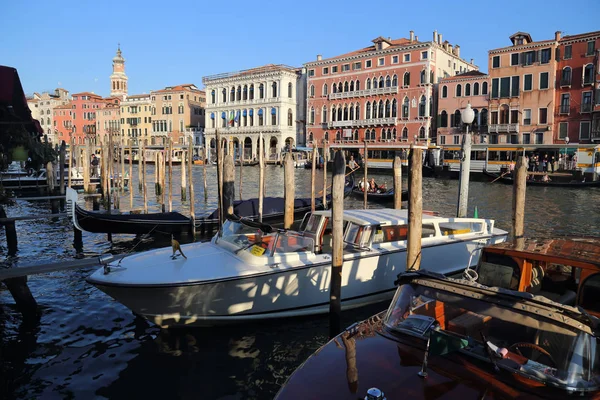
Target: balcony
(362, 122)
(239, 103)
(364, 92)
(247, 130)
(503, 128)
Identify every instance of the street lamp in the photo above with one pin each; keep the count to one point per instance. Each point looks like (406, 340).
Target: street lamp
(467, 117)
(566, 150)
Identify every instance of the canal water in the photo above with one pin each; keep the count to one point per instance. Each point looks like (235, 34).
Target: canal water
(85, 345)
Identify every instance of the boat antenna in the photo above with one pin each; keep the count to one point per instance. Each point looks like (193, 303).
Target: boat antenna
(128, 253)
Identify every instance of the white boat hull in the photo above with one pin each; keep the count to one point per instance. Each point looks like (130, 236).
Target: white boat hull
(302, 289)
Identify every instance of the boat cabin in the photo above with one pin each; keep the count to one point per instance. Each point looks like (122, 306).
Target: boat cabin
(565, 270)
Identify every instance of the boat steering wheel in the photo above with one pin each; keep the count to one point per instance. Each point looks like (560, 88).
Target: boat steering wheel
(539, 349)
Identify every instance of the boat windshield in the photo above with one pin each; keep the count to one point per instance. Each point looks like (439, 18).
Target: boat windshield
(517, 340)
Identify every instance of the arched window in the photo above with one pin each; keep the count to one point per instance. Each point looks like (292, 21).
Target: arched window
(405, 107)
(345, 113)
(232, 94)
(290, 117)
(239, 93)
(483, 117)
(252, 91)
(356, 135)
(312, 116)
(394, 109)
(274, 89)
(588, 74)
(357, 111)
(368, 110)
(310, 137)
(326, 137)
(431, 76)
(357, 85)
(224, 95)
(468, 89)
(476, 117)
(388, 81)
(422, 133)
(388, 110)
(325, 90)
(345, 86)
(405, 133)
(406, 80)
(261, 91)
(245, 93)
(312, 91)
(212, 96)
(351, 112)
(458, 90)
(334, 88)
(352, 86)
(455, 119)
(260, 117)
(444, 91)
(422, 105)
(395, 80)
(339, 113)
(476, 89)
(368, 83)
(333, 113)
(340, 87)
(381, 81)
(444, 119)
(338, 136)
(324, 115)
(290, 90)
(484, 88)
(380, 113)
(423, 74)
(565, 80)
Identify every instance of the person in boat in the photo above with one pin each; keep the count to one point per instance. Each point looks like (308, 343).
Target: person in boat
(546, 178)
(373, 186)
(361, 185)
(94, 166)
(352, 164)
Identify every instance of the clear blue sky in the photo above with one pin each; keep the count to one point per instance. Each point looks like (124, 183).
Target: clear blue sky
(171, 42)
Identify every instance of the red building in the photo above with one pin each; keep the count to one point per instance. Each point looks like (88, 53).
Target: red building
(576, 80)
(384, 93)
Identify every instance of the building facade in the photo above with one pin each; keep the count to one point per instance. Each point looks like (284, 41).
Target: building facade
(108, 122)
(268, 99)
(136, 118)
(42, 108)
(453, 96)
(118, 78)
(576, 83)
(177, 113)
(385, 93)
(522, 92)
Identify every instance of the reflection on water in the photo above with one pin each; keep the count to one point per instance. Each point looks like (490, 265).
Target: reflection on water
(86, 345)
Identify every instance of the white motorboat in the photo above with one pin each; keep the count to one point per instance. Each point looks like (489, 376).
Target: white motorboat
(250, 272)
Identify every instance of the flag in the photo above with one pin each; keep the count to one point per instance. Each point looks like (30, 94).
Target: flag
(237, 117)
(443, 343)
(231, 118)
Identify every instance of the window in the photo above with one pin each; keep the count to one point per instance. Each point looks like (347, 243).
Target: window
(368, 64)
(312, 91)
(591, 47)
(212, 96)
(261, 91)
(544, 80)
(476, 89)
(311, 72)
(290, 90)
(325, 70)
(444, 119)
(455, 119)
(505, 87)
(334, 69)
(406, 80)
(323, 114)
(514, 59)
(381, 62)
(274, 116)
(456, 139)
(405, 106)
(423, 75)
(407, 57)
(495, 88)
(528, 82)
(325, 90)
(458, 90)
(565, 103)
(496, 62)
(529, 57)
(584, 130)
(484, 88)
(514, 86)
(527, 117)
(565, 79)
(568, 52)
(345, 67)
(444, 92)
(543, 116)
(545, 56)
(395, 59)
(442, 140)
(526, 138)
(586, 102)
(588, 74)
(356, 65)
(424, 55)
(563, 129)
(422, 106)
(394, 81)
(467, 89)
(514, 116)
(274, 89)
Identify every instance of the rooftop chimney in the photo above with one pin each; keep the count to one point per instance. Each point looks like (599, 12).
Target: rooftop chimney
(319, 57)
(416, 38)
(472, 61)
(557, 36)
(435, 36)
(439, 38)
(457, 51)
(449, 48)
(412, 36)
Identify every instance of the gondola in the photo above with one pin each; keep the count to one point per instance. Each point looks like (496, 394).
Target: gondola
(507, 180)
(385, 197)
(176, 223)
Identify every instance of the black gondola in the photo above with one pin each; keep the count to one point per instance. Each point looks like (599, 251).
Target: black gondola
(384, 197)
(507, 180)
(176, 223)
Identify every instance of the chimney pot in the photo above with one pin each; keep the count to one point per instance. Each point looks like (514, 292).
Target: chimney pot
(412, 36)
(472, 61)
(435, 36)
(457, 50)
(416, 38)
(319, 57)
(440, 38)
(557, 36)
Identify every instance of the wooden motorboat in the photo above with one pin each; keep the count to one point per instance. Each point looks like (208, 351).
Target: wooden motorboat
(507, 179)
(449, 338)
(379, 197)
(251, 271)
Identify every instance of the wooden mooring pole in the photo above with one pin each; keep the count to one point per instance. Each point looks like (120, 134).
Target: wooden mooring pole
(170, 174)
(518, 209)
(219, 155)
(315, 156)
(397, 182)
(261, 176)
(365, 178)
(324, 174)
(415, 208)
(130, 184)
(337, 216)
(71, 154)
(228, 184)
(140, 166)
(289, 193)
(241, 165)
(192, 199)
(144, 184)
(183, 176)
(204, 161)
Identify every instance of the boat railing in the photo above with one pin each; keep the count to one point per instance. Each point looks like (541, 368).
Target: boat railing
(458, 226)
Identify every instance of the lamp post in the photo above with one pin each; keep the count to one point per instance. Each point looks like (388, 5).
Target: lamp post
(466, 117)
(566, 151)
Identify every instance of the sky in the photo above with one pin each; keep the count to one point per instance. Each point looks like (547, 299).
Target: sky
(71, 44)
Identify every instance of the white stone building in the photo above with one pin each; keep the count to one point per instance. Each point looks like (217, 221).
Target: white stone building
(268, 99)
(42, 109)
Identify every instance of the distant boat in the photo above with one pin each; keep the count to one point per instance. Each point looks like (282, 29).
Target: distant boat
(508, 180)
(383, 197)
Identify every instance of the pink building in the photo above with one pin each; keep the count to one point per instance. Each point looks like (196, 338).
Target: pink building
(453, 96)
(383, 93)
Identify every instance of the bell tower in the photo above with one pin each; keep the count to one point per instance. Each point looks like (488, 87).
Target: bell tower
(118, 79)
